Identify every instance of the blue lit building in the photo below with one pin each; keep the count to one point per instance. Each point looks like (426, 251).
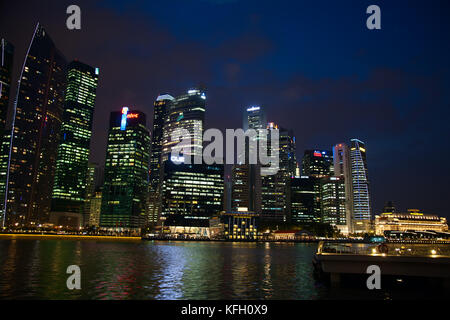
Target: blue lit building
(360, 187)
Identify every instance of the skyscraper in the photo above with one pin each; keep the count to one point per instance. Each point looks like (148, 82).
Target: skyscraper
(254, 118)
(305, 200)
(186, 113)
(342, 169)
(360, 187)
(246, 178)
(275, 187)
(6, 63)
(125, 191)
(69, 189)
(191, 193)
(93, 182)
(288, 157)
(161, 108)
(317, 163)
(332, 200)
(95, 205)
(35, 132)
(242, 194)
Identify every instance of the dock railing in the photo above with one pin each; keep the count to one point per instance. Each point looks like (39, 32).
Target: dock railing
(391, 249)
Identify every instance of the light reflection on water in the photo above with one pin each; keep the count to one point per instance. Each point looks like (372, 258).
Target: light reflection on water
(156, 270)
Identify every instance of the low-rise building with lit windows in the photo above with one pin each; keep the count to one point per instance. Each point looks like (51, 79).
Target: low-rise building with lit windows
(291, 235)
(413, 220)
(240, 225)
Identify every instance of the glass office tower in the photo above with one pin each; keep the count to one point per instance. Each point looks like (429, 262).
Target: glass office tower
(305, 200)
(246, 178)
(6, 63)
(191, 193)
(360, 187)
(342, 169)
(186, 113)
(332, 198)
(35, 132)
(125, 190)
(317, 163)
(161, 108)
(69, 189)
(274, 188)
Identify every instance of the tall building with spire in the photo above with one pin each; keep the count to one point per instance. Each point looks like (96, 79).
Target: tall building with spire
(69, 189)
(34, 134)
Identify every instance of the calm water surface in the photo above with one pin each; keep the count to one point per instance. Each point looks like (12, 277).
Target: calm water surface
(156, 270)
(36, 269)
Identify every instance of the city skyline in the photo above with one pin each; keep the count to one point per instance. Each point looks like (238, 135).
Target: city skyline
(382, 156)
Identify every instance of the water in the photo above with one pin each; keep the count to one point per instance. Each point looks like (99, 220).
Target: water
(36, 269)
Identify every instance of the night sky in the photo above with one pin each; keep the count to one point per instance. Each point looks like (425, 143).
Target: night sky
(312, 65)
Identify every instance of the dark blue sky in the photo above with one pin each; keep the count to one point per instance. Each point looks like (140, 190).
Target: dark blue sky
(314, 67)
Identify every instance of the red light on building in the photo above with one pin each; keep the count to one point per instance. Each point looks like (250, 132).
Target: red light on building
(317, 154)
(132, 115)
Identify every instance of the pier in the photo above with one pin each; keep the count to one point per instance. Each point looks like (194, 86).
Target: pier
(431, 261)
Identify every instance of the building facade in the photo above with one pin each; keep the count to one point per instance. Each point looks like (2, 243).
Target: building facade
(411, 221)
(246, 178)
(317, 163)
(94, 182)
(161, 107)
(360, 187)
(305, 199)
(191, 193)
(35, 133)
(185, 115)
(275, 186)
(240, 226)
(342, 170)
(6, 64)
(71, 173)
(125, 190)
(332, 200)
(95, 206)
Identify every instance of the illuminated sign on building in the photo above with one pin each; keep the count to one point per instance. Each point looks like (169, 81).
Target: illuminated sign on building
(317, 154)
(132, 115)
(253, 108)
(177, 159)
(123, 123)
